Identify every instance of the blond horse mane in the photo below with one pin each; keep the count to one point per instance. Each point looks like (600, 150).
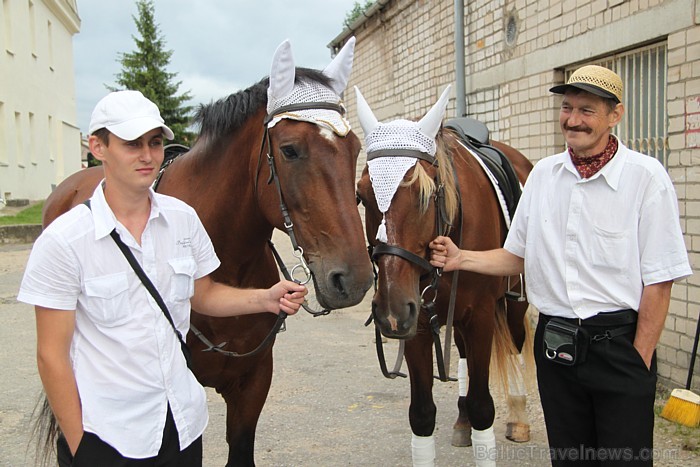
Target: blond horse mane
(426, 185)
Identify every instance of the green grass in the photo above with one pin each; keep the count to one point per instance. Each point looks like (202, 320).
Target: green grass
(31, 215)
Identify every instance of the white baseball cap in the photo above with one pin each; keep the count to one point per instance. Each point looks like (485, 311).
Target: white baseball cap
(127, 114)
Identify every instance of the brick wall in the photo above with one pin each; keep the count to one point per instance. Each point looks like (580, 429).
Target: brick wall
(683, 107)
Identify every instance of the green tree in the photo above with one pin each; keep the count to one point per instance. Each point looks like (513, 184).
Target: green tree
(145, 70)
(357, 10)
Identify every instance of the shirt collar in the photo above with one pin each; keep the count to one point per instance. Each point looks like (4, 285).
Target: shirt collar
(104, 219)
(611, 172)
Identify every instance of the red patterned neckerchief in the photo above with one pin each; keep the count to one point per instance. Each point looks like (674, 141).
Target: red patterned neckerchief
(588, 166)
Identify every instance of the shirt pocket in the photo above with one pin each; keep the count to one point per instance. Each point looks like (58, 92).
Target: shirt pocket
(610, 249)
(184, 269)
(108, 299)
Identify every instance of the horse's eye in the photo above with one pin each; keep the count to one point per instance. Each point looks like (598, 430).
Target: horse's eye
(289, 152)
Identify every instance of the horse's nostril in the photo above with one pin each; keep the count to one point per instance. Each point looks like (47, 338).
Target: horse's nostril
(338, 281)
(412, 311)
(412, 315)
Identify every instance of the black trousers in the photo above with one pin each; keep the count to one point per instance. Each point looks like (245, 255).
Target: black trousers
(93, 452)
(601, 412)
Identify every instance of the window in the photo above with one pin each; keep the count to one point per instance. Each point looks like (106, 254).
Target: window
(32, 139)
(19, 143)
(49, 34)
(3, 140)
(644, 125)
(32, 28)
(52, 139)
(7, 25)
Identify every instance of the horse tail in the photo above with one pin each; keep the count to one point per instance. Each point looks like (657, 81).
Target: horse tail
(44, 431)
(507, 361)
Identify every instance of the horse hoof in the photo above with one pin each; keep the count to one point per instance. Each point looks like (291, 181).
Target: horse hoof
(461, 437)
(518, 432)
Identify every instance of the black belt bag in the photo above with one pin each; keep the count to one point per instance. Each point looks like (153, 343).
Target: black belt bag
(566, 340)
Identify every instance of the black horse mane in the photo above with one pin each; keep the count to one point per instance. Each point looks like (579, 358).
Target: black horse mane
(225, 115)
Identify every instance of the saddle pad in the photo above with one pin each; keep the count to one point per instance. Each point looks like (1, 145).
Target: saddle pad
(468, 130)
(494, 182)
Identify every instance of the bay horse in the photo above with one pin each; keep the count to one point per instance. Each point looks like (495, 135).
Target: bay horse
(301, 181)
(410, 164)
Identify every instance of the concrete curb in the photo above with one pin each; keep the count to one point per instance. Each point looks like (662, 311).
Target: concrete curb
(23, 233)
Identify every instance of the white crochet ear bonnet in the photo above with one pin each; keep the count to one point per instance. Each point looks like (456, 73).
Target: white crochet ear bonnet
(386, 173)
(282, 91)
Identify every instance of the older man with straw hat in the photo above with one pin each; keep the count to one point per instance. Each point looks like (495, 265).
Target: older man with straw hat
(598, 236)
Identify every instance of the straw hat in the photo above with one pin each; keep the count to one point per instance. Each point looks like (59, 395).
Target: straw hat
(595, 79)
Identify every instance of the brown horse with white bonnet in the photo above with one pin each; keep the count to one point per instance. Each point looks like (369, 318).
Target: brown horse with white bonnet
(279, 154)
(421, 182)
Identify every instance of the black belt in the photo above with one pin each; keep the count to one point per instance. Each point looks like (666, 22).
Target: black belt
(606, 325)
(609, 319)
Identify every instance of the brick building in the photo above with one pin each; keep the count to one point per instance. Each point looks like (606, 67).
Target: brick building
(514, 51)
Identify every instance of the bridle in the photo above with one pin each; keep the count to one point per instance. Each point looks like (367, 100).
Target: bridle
(442, 227)
(298, 252)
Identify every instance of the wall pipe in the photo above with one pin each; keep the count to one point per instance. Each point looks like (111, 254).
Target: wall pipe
(460, 88)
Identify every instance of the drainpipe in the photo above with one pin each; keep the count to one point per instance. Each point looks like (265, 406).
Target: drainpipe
(460, 88)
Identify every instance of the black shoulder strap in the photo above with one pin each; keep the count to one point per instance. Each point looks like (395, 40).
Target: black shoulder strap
(142, 275)
(144, 278)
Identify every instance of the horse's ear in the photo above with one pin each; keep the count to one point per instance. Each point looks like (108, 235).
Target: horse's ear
(430, 124)
(283, 72)
(341, 67)
(368, 121)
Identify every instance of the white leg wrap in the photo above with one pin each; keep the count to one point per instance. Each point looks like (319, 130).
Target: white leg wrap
(462, 376)
(484, 444)
(516, 379)
(423, 450)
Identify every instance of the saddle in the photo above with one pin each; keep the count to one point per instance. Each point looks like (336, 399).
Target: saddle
(172, 151)
(475, 135)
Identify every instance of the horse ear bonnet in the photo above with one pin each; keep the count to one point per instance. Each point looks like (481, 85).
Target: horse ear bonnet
(341, 67)
(282, 90)
(386, 173)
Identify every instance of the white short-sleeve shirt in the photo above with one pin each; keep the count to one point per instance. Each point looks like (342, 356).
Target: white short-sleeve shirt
(126, 357)
(591, 245)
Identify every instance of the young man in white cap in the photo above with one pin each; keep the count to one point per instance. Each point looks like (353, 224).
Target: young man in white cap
(110, 361)
(598, 236)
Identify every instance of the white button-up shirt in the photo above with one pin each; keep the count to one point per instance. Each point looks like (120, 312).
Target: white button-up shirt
(126, 357)
(591, 245)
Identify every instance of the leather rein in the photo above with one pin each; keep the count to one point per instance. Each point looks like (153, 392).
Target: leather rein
(298, 252)
(442, 227)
